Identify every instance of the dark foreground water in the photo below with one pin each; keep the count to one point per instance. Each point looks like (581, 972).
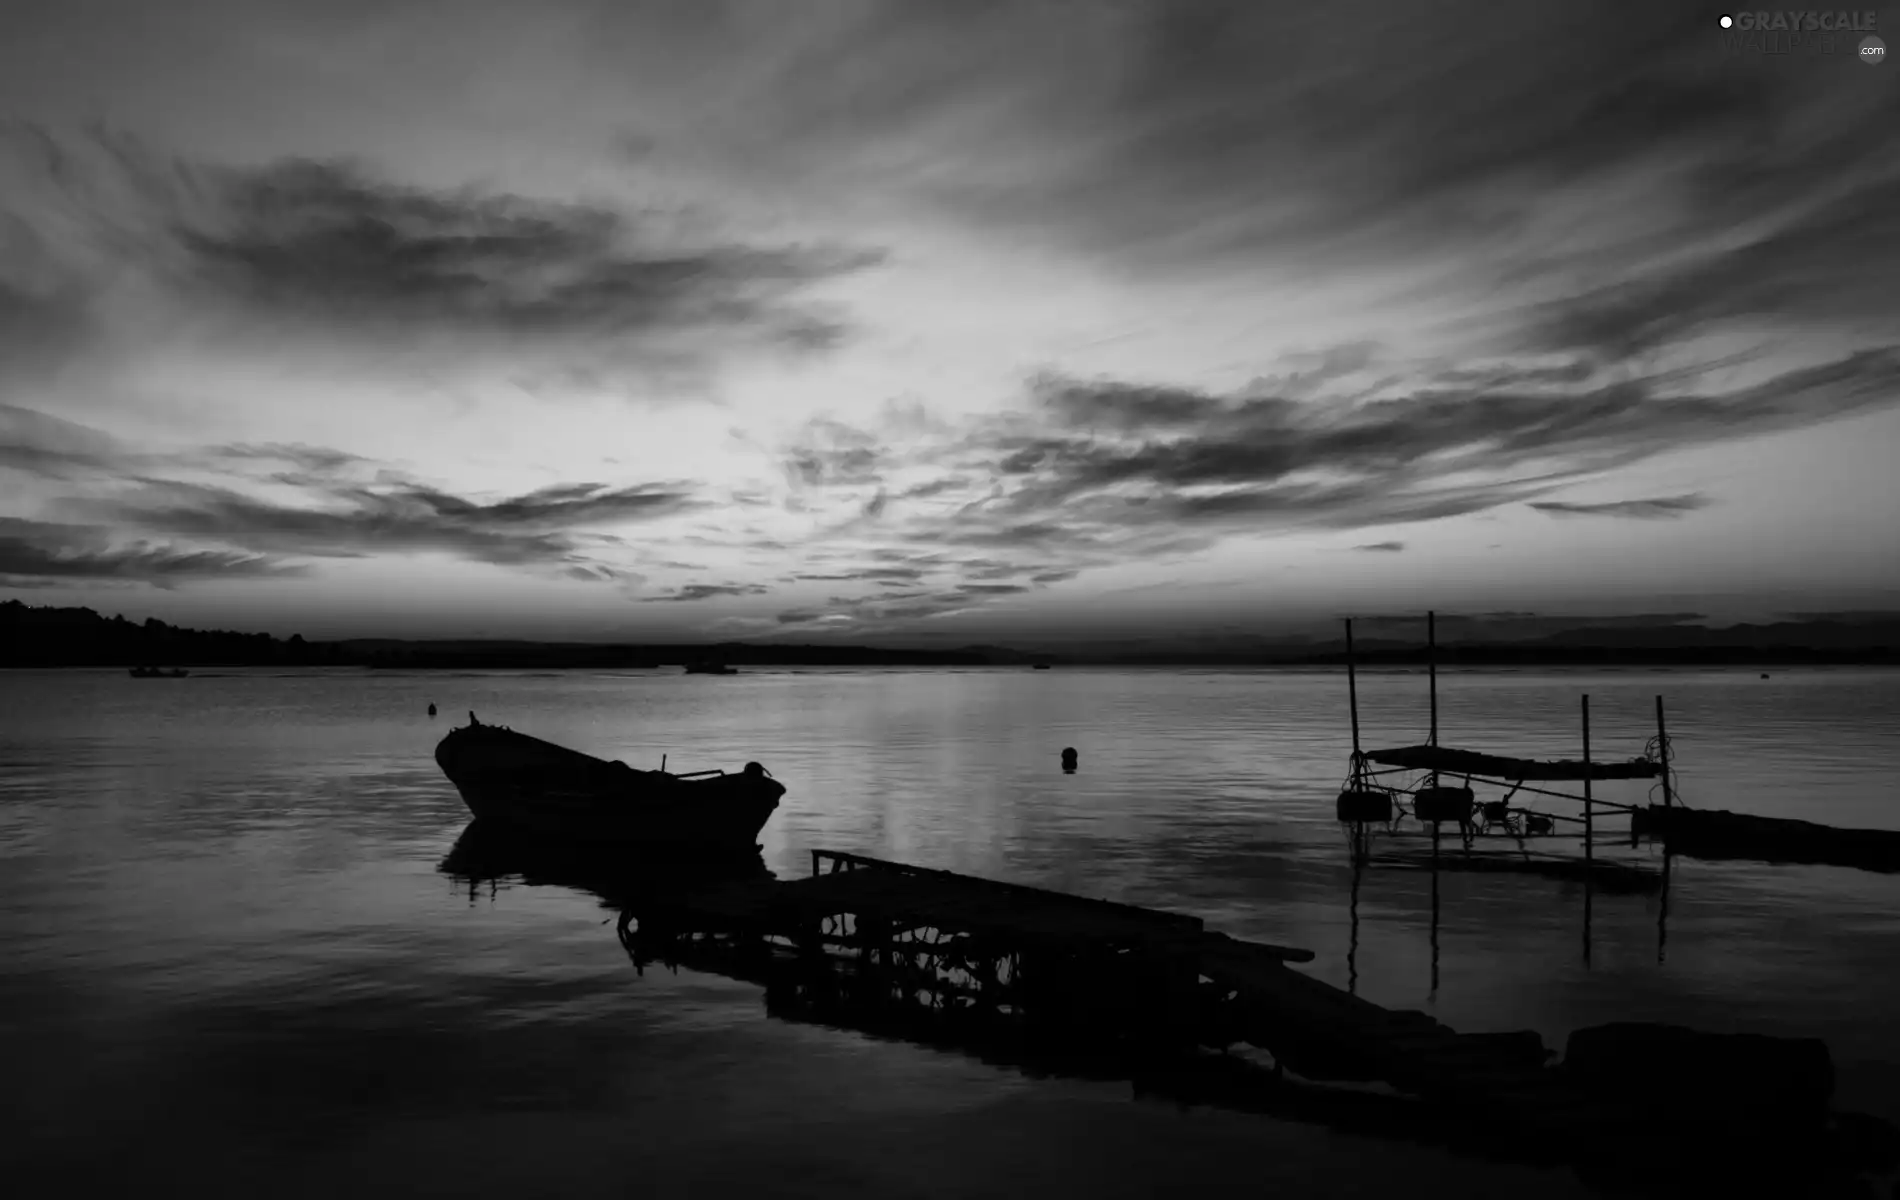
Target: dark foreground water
(230, 964)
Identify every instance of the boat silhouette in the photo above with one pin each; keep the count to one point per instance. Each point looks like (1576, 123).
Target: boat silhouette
(512, 779)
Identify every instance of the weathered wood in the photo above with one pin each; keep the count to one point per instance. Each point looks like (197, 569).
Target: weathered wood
(932, 943)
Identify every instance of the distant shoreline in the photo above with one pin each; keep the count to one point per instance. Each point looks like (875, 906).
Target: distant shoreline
(1447, 658)
(80, 637)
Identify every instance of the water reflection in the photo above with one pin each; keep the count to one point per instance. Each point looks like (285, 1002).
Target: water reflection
(618, 878)
(1608, 878)
(202, 899)
(1239, 1081)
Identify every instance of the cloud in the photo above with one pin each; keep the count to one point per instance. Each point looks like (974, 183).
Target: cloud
(1178, 134)
(707, 591)
(336, 248)
(1101, 471)
(38, 553)
(827, 452)
(1653, 508)
(350, 506)
(349, 521)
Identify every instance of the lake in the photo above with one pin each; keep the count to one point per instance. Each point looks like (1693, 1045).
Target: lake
(232, 964)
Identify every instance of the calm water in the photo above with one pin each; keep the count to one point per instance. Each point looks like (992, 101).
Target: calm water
(231, 963)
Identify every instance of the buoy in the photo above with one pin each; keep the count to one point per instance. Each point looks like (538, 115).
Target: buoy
(432, 710)
(1068, 759)
(1764, 674)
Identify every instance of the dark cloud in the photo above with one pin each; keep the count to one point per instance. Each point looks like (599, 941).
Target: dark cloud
(40, 444)
(44, 552)
(1823, 267)
(333, 239)
(707, 591)
(827, 452)
(1187, 129)
(1653, 508)
(1384, 547)
(554, 527)
(533, 529)
(892, 574)
(1606, 163)
(338, 247)
(1102, 471)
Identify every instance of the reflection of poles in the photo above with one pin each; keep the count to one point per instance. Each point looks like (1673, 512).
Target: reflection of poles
(1662, 752)
(1434, 992)
(1589, 809)
(1589, 828)
(1431, 670)
(1352, 946)
(1662, 917)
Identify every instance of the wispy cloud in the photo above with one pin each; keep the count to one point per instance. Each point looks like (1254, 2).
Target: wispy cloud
(1651, 509)
(350, 521)
(708, 591)
(1094, 472)
(348, 507)
(44, 552)
(336, 249)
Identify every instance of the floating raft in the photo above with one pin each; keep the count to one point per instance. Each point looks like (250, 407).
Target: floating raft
(1447, 761)
(1718, 834)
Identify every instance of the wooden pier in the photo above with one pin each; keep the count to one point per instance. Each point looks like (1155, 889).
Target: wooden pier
(949, 959)
(1433, 786)
(875, 933)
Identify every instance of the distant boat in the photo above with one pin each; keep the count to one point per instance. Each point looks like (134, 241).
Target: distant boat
(510, 779)
(709, 669)
(156, 673)
(1040, 666)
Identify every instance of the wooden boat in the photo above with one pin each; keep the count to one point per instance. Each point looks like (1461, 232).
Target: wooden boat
(1718, 834)
(513, 780)
(709, 669)
(156, 673)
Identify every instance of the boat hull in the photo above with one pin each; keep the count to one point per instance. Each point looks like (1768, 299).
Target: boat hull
(512, 780)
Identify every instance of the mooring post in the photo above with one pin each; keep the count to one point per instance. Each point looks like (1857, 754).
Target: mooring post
(1662, 751)
(1589, 808)
(1352, 695)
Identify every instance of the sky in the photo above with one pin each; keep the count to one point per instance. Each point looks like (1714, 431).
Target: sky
(939, 321)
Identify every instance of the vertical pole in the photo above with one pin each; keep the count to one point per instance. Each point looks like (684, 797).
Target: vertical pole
(1589, 807)
(1431, 667)
(1352, 695)
(1662, 749)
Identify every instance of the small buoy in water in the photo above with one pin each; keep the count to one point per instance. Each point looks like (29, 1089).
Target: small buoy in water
(432, 710)
(1764, 674)
(1068, 760)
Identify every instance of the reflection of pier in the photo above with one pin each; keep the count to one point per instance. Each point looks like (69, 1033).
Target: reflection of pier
(1061, 983)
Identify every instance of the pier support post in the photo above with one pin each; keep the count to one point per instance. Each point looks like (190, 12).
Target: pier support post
(1662, 752)
(1589, 805)
(1589, 835)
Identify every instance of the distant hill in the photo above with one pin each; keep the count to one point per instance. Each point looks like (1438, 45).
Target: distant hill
(72, 637)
